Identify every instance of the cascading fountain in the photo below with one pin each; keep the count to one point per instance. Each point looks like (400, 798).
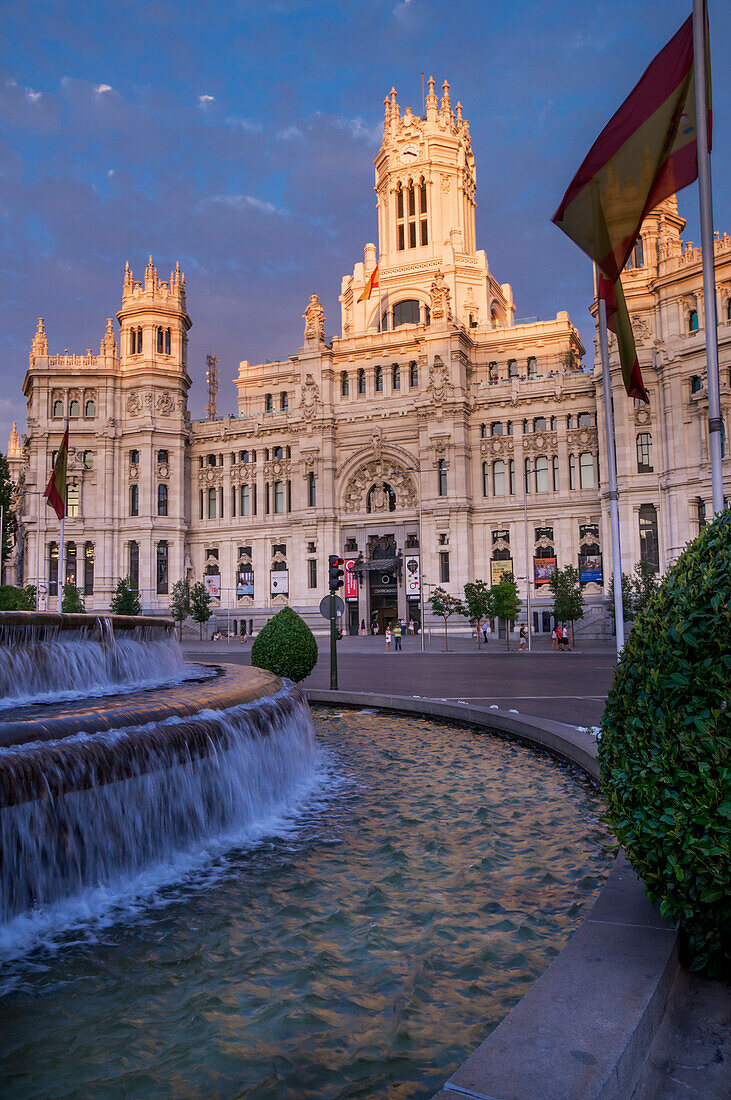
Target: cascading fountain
(96, 787)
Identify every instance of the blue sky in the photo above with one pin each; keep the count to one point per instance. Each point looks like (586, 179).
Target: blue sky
(239, 139)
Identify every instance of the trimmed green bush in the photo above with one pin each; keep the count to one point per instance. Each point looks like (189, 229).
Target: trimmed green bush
(17, 599)
(665, 748)
(285, 646)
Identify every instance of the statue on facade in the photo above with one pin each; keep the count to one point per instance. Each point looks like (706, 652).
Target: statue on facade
(310, 397)
(314, 318)
(441, 307)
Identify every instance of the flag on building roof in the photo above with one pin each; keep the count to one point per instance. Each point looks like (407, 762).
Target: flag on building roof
(56, 489)
(646, 152)
(370, 286)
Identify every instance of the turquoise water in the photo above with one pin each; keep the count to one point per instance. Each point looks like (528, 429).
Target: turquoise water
(360, 942)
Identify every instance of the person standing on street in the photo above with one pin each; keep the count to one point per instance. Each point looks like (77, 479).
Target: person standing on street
(523, 638)
(388, 638)
(362, 628)
(554, 639)
(566, 640)
(397, 628)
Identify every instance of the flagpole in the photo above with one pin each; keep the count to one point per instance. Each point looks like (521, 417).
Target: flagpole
(612, 465)
(715, 425)
(62, 548)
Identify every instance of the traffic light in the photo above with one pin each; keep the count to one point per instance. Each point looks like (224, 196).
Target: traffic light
(335, 572)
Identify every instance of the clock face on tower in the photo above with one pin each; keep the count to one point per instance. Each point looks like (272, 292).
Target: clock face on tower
(409, 154)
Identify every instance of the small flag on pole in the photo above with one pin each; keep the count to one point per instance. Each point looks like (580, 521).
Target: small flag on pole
(645, 153)
(55, 492)
(370, 286)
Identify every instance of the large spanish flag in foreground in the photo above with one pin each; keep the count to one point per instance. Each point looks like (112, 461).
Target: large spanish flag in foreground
(56, 489)
(645, 153)
(370, 286)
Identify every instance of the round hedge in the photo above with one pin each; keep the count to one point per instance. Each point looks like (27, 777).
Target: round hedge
(285, 646)
(664, 750)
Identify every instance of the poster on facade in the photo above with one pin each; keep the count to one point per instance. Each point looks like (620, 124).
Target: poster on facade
(350, 591)
(212, 585)
(245, 583)
(543, 570)
(590, 569)
(279, 582)
(413, 577)
(499, 568)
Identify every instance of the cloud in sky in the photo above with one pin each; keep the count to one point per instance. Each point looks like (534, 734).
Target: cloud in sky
(262, 185)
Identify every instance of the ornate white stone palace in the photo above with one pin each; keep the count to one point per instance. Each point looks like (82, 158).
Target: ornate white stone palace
(406, 443)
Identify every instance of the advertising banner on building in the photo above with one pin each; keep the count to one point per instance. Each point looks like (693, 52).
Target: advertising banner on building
(498, 568)
(279, 582)
(212, 586)
(590, 569)
(413, 577)
(543, 570)
(245, 582)
(350, 587)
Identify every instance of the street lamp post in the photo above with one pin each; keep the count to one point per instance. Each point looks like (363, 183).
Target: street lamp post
(417, 470)
(528, 562)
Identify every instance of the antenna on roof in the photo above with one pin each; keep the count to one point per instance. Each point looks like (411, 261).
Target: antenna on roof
(213, 384)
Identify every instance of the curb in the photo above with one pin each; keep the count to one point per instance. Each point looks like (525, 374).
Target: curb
(584, 1029)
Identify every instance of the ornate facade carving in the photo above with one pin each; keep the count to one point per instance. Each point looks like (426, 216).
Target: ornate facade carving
(439, 384)
(164, 403)
(310, 398)
(314, 318)
(441, 306)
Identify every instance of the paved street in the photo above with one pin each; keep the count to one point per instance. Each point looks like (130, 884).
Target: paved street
(568, 687)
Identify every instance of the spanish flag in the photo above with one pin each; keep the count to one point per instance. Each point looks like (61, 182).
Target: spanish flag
(645, 153)
(56, 489)
(370, 286)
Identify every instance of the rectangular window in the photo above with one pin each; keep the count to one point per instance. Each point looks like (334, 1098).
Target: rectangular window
(53, 569)
(162, 568)
(278, 497)
(134, 565)
(311, 491)
(70, 563)
(312, 573)
(245, 500)
(89, 569)
(649, 543)
(211, 503)
(572, 471)
(201, 499)
(266, 498)
(134, 500)
(586, 470)
(444, 566)
(73, 497)
(511, 468)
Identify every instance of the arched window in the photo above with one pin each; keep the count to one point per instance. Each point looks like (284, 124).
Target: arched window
(396, 377)
(413, 375)
(422, 213)
(132, 341)
(410, 209)
(89, 568)
(541, 474)
(693, 320)
(162, 568)
(586, 470)
(268, 403)
(311, 490)
(278, 497)
(485, 479)
(134, 500)
(162, 500)
(160, 338)
(344, 384)
(167, 341)
(58, 408)
(512, 368)
(532, 367)
(134, 565)
(649, 545)
(378, 379)
(442, 477)
(89, 460)
(406, 313)
(90, 408)
(361, 382)
(74, 408)
(644, 453)
(400, 220)
(283, 401)
(380, 497)
(498, 478)
(696, 384)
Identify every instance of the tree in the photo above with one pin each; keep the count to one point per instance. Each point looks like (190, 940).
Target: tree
(6, 500)
(644, 584)
(126, 598)
(72, 602)
(285, 646)
(17, 599)
(568, 598)
(478, 603)
(506, 602)
(180, 604)
(444, 606)
(200, 605)
(628, 601)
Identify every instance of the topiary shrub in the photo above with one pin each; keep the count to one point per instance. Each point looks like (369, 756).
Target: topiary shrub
(285, 646)
(17, 599)
(665, 748)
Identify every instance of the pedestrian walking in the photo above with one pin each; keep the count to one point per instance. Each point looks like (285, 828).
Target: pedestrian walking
(554, 639)
(565, 635)
(397, 630)
(388, 638)
(484, 633)
(362, 628)
(523, 638)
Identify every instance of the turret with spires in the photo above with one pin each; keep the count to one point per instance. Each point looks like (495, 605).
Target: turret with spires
(153, 319)
(39, 346)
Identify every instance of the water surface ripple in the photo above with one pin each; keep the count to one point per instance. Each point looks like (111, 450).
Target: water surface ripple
(361, 948)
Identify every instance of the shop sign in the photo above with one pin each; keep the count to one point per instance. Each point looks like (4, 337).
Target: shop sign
(350, 590)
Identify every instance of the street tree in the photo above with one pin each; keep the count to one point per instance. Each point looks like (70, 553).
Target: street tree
(506, 602)
(478, 604)
(126, 598)
(444, 605)
(200, 605)
(72, 602)
(644, 584)
(6, 501)
(180, 604)
(628, 600)
(568, 597)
